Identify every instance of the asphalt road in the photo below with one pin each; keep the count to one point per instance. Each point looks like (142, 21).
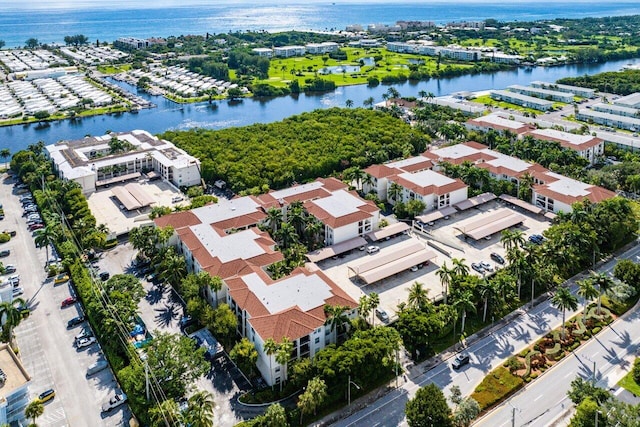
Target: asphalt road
(46, 346)
(486, 354)
(611, 352)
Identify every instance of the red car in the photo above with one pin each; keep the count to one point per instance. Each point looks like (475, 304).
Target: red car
(34, 227)
(69, 301)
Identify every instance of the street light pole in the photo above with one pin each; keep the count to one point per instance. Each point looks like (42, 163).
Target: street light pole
(349, 390)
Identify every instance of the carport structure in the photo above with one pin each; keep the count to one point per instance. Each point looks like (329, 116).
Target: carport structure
(337, 249)
(388, 231)
(488, 223)
(436, 215)
(132, 196)
(475, 201)
(521, 204)
(391, 261)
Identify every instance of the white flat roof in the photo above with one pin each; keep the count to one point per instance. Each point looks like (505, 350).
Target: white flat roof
(240, 245)
(521, 97)
(218, 212)
(600, 106)
(306, 292)
(399, 164)
(426, 178)
(508, 162)
(540, 91)
(298, 189)
(339, 203)
(613, 117)
(568, 186)
(571, 138)
(494, 119)
(632, 99)
(455, 151)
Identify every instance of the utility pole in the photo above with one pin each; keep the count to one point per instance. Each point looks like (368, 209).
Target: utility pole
(146, 377)
(513, 417)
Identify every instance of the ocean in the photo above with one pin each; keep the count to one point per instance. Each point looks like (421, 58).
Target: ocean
(50, 20)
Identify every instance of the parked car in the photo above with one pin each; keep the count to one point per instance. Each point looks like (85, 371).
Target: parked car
(460, 360)
(414, 268)
(115, 401)
(18, 291)
(85, 342)
(96, 367)
(36, 226)
(9, 268)
(497, 258)
(14, 280)
(47, 395)
(382, 315)
(104, 275)
(68, 301)
(477, 267)
(60, 278)
(536, 239)
(486, 266)
(5, 253)
(373, 249)
(176, 199)
(75, 321)
(84, 333)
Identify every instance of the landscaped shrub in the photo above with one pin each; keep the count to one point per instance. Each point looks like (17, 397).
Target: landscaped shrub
(495, 387)
(596, 330)
(581, 329)
(554, 352)
(636, 370)
(4, 237)
(527, 362)
(575, 345)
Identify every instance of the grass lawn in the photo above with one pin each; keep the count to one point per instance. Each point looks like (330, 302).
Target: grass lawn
(628, 383)
(487, 100)
(284, 70)
(114, 69)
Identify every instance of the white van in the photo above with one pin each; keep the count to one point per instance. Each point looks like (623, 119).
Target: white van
(177, 199)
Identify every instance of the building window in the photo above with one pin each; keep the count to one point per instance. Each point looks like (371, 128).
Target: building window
(317, 340)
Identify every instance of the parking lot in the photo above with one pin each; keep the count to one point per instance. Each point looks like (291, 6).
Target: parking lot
(46, 344)
(108, 210)
(161, 310)
(450, 244)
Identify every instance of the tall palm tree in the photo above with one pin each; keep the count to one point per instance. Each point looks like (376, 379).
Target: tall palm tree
(394, 191)
(167, 412)
(199, 411)
(368, 102)
(588, 291)
(11, 316)
(45, 237)
(172, 268)
(336, 318)
(511, 239)
(487, 290)
(270, 348)
(313, 230)
(348, 103)
(34, 410)
(459, 267)
(283, 355)
(563, 299)
(418, 296)
(604, 284)
(374, 300)
(274, 218)
(287, 235)
(5, 153)
(463, 303)
(446, 275)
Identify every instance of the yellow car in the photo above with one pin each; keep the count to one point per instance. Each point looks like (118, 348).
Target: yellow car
(60, 278)
(47, 395)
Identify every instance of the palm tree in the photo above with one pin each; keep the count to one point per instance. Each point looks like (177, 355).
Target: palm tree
(313, 230)
(368, 102)
(395, 191)
(418, 296)
(199, 411)
(393, 92)
(355, 174)
(11, 316)
(5, 153)
(374, 300)
(563, 299)
(45, 237)
(172, 268)
(336, 318)
(463, 303)
(486, 290)
(283, 355)
(459, 267)
(274, 218)
(604, 283)
(446, 275)
(287, 235)
(588, 291)
(34, 410)
(167, 412)
(512, 239)
(270, 348)
(348, 103)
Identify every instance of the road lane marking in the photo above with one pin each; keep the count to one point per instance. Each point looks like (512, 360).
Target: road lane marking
(569, 374)
(538, 398)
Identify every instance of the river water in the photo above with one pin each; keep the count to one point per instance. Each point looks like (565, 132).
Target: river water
(223, 114)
